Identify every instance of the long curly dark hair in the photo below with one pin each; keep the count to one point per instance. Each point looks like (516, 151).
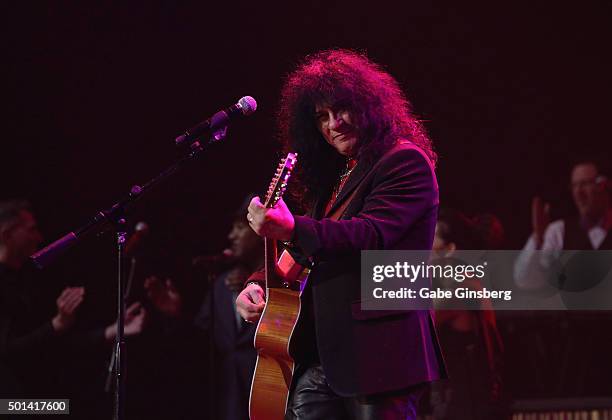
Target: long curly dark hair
(348, 80)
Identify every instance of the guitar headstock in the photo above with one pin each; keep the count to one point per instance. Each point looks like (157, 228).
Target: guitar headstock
(281, 178)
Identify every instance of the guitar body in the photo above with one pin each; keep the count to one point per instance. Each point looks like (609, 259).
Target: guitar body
(275, 366)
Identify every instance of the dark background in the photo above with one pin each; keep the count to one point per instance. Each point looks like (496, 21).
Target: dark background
(96, 92)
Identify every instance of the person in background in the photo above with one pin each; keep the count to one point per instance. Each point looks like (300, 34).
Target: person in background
(589, 230)
(470, 337)
(567, 369)
(29, 336)
(26, 334)
(234, 355)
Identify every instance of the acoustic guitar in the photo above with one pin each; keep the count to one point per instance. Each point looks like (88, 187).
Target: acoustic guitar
(285, 280)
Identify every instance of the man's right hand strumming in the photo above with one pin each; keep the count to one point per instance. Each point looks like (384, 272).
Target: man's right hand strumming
(250, 302)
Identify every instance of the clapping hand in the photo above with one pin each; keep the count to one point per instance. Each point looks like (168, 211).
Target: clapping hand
(135, 319)
(67, 303)
(540, 218)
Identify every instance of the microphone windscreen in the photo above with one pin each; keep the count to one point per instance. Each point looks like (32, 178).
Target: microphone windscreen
(248, 105)
(141, 227)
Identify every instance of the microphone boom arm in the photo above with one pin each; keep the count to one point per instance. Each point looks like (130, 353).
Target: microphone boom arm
(115, 213)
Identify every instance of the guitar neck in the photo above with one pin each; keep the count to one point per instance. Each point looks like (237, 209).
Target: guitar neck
(271, 256)
(275, 192)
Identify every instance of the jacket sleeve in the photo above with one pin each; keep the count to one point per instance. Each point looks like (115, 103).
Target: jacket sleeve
(258, 277)
(14, 345)
(404, 188)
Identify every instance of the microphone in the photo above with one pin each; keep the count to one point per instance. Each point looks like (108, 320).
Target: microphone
(135, 242)
(214, 262)
(245, 106)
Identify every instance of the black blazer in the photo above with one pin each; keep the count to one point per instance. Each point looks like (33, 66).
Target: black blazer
(27, 339)
(235, 356)
(394, 207)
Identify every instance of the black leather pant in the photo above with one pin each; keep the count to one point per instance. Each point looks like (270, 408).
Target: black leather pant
(312, 398)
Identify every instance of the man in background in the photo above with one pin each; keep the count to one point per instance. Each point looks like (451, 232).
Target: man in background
(589, 187)
(35, 343)
(568, 370)
(231, 339)
(27, 335)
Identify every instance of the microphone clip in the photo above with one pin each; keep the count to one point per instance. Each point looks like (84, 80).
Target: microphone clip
(214, 138)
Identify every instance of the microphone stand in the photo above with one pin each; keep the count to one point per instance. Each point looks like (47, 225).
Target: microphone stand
(111, 364)
(120, 347)
(116, 217)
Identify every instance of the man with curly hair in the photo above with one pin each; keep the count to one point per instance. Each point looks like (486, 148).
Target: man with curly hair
(366, 177)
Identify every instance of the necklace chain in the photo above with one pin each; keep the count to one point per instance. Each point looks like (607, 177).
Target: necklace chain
(346, 173)
(343, 177)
